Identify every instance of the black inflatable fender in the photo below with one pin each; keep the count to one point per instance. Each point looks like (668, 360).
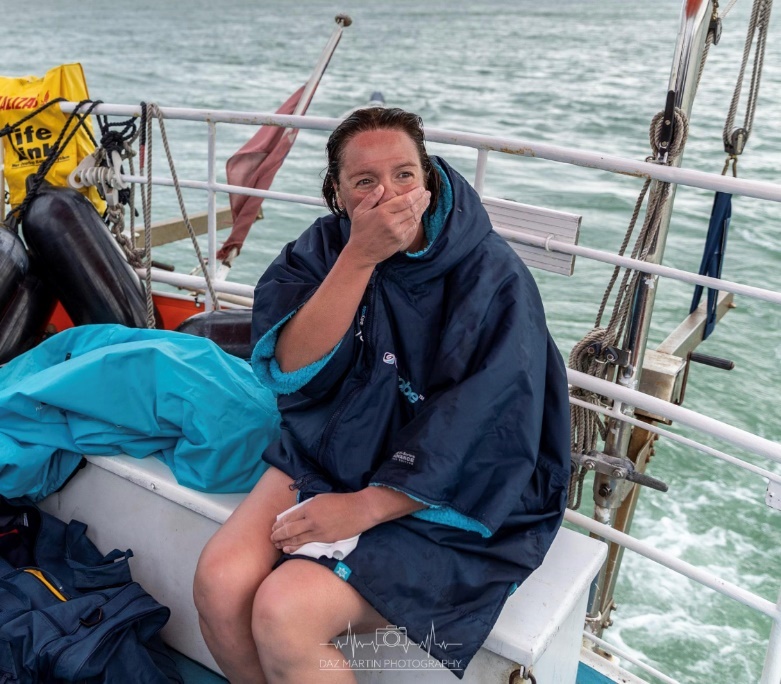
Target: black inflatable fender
(230, 329)
(80, 260)
(14, 265)
(23, 320)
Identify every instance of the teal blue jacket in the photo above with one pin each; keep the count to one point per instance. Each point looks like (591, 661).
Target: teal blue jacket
(106, 389)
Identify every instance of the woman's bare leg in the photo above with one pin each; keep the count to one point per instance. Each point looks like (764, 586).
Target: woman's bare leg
(298, 609)
(231, 568)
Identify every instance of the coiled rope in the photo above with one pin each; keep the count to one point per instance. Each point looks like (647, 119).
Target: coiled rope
(588, 355)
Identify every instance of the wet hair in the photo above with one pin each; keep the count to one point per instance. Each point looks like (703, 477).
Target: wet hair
(376, 119)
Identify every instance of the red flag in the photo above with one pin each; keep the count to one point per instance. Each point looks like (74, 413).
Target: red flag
(254, 166)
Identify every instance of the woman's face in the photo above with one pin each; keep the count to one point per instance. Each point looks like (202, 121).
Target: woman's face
(386, 157)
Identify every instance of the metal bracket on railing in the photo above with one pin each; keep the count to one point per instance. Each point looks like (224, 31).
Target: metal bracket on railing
(101, 169)
(773, 496)
(608, 354)
(617, 468)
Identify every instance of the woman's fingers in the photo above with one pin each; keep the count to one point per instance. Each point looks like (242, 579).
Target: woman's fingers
(405, 212)
(412, 204)
(293, 543)
(369, 202)
(284, 531)
(381, 229)
(406, 202)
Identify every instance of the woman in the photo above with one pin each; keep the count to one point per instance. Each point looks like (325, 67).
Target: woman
(424, 407)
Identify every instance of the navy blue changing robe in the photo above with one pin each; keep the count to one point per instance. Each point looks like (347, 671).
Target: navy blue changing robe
(449, 388)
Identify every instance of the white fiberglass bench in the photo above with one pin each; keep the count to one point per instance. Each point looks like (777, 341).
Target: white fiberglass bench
(137, 504)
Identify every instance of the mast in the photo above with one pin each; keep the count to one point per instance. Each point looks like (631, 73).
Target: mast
(615, 498)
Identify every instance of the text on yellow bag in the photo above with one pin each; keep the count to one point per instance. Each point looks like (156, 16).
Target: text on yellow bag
(27, 146)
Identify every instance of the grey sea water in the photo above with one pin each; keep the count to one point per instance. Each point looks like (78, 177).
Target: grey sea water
(583, 74)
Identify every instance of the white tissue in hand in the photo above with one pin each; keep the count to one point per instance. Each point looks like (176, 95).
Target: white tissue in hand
(338, 549)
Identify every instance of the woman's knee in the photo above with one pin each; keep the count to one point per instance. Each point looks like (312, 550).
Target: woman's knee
(299, 606)
(225, 583)
(276, 621)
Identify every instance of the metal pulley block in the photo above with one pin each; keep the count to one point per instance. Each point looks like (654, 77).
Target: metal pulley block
(737, 141)
(714, 28)
(616, 468)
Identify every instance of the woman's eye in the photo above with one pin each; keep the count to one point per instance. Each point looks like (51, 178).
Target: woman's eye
(364, 182)
(406, 174)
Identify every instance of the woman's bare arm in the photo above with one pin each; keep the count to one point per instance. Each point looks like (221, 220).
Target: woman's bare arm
(319, 325)
(384, 504)
(377, 232)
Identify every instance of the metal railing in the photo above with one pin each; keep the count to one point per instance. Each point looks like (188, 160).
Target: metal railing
(621, 396)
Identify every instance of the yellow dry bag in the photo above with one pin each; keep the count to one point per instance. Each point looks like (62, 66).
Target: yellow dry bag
(28, 145)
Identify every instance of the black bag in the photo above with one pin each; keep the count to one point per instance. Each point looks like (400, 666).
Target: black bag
(70, 614)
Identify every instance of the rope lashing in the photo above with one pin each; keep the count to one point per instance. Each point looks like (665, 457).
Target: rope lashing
(598, 353)
(117, 142)
(712, 38)
(146, 207)
(680, 133)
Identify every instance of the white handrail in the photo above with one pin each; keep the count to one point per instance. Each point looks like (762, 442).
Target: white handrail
(230, 189)
(192, 282)
(515, 146)
(676, 564)
(647, 267)
(674, 437)
(542, 242)
(679, 414)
